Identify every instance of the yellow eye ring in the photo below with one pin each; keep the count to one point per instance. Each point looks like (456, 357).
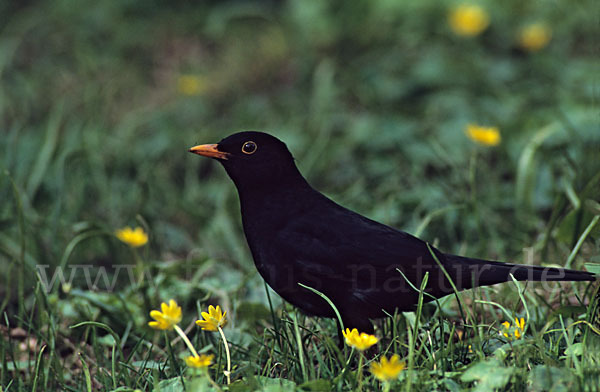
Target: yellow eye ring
(249, 147)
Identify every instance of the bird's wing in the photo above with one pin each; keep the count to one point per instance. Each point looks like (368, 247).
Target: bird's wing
(340, 239)
(338, 246)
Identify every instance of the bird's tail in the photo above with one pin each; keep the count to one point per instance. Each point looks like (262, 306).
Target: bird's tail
(485, 272)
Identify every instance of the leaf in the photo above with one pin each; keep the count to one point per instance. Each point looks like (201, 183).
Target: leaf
(569, 311)
(593, 268)
(46, 151)
(265, 384)
(171, 385)
(148, 364)
(575, 349)
(319, 384)
(252, 312)
(489, 375)
(276, 384)
(526, 170)
(451, 385)
(550, 379)
(107, 340)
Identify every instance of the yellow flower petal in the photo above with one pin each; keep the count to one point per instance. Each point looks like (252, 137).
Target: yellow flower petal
(387, 370)
(487, 136)
(132, 237)
(468, 20)
(534, 37)
(360, 341)
(214, 319)
(200, 361)
(158, 325)
(191, 84)
(520, 323)
(518, 333)
(167, 317)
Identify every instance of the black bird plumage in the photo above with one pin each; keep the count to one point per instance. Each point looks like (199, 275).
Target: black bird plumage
(298, 235)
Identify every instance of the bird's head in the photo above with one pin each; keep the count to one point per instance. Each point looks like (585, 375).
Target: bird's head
(252, 159)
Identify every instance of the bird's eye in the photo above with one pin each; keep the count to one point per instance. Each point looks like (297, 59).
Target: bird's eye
(249, 148)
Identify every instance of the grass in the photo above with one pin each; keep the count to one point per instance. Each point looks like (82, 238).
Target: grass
(99, 104)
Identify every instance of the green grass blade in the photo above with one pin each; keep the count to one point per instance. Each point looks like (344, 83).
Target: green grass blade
(36, 373)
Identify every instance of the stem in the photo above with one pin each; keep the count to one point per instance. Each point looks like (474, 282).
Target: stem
(139, 266)
(472, 175)
(195, 354)
(347, 363)
(359, 376)
(211, 381)
(186, 340)
(228, 371)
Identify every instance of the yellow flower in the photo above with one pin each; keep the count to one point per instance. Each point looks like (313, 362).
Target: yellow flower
(488, 136)
(534, 37)
(360, 341)
(468, 20)
(213, 319)
(199, 361)
(132, 237)
(168, 316)
(519, 328)
(191, 85)
(387, 370)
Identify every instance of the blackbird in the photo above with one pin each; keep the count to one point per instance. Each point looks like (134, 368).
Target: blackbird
(299, 236)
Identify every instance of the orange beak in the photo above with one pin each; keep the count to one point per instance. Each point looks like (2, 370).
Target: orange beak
(209, 150)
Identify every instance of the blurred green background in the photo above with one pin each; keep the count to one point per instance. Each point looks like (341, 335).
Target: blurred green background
(100, 100)
(99, 103)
